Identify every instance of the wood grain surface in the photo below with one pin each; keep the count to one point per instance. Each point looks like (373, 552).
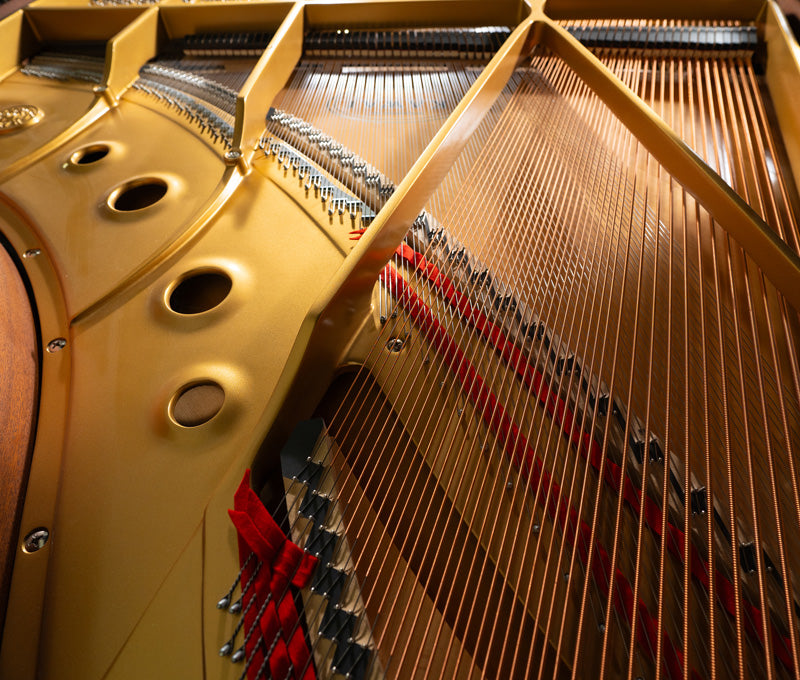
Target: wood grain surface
(18, 398)
(11, 6)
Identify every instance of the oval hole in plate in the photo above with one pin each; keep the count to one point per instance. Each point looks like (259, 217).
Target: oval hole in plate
(138, 194)
(200, 291)
(198, 403)
(89, 154)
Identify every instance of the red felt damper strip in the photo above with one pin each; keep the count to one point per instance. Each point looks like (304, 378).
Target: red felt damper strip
(281, 643)
(584, 442)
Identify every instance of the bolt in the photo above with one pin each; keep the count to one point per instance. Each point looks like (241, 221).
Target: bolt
(36, 540)
(56, 345)
(394, 344)
(33, 252)
(233, 156)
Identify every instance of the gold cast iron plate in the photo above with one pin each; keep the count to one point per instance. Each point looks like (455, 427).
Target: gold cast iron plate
(19, 116)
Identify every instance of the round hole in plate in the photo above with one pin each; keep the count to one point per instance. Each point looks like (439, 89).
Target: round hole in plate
(197, 403)
(89, 154)
(199, 292)
(138, 194)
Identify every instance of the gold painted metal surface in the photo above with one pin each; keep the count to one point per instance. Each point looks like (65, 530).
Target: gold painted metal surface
(18, 40)
(267, 78)
(18, 116)
(783, 67)
(142, 545)
(60, 107)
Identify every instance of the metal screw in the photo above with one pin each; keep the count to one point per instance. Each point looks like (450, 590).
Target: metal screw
(36, 540)
(233, 155)
(536, 528)
(33, 252)
(56, 345)
(394, 344)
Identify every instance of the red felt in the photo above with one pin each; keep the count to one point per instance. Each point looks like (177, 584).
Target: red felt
(525, 458)
(282, 563)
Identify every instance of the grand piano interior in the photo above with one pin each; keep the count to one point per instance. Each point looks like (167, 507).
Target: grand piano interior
(481, 319)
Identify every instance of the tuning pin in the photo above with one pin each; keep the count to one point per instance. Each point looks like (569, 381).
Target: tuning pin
(238, 655)
(236, 607)
(226, 649)
(224, 603)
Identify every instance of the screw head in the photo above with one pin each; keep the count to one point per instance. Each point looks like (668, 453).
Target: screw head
(233, 155)
(56, 345)
(36, 540)
(31, 252)
(394, 344)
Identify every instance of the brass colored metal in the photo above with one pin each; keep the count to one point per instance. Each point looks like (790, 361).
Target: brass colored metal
(127, 52)
(266, 80)
(783, 66)
(16, 117)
